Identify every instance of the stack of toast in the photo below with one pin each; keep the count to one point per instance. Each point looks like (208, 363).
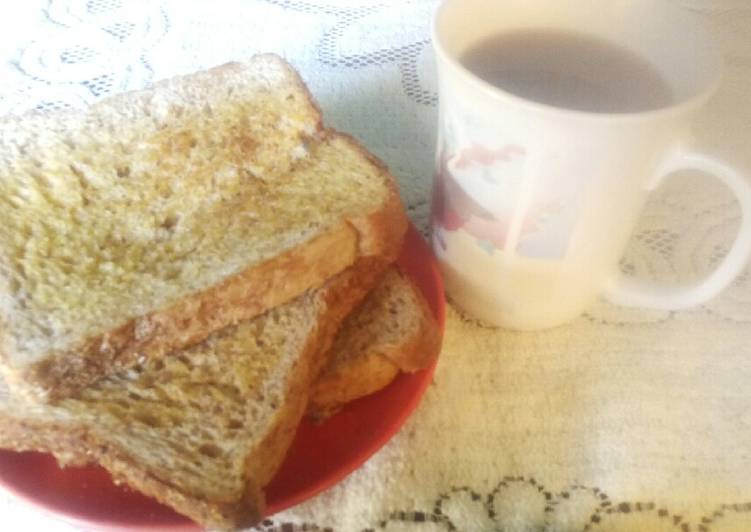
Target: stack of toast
(186, 272)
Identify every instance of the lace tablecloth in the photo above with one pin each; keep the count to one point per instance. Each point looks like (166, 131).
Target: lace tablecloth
(621, 420)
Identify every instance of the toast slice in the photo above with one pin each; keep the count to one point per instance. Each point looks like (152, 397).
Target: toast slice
(392, 330)
(202, 431)
(154, 218)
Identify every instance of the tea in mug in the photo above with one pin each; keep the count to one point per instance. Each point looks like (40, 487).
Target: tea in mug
(569, 70)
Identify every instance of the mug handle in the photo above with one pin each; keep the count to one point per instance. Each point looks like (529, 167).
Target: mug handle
(634, 292)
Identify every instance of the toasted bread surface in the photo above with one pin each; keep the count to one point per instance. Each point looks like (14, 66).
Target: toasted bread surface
(392, 330)
(205, 429)
(156, 217)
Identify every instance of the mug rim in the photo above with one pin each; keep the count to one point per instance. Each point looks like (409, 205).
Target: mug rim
(495, 92)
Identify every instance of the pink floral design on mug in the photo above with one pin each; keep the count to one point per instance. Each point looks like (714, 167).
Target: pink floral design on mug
(537, 190)
(475, 190)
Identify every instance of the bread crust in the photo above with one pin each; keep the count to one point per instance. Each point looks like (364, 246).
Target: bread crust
(349, 255)
(382, 232)
(352, 380)
(423, 347)
(375, 368)
(77, 445)
(239, 297)
(353, 286)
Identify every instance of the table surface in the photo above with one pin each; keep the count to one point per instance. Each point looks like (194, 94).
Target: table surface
(621, 420)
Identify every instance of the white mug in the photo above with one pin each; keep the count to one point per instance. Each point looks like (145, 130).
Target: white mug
(533, 205)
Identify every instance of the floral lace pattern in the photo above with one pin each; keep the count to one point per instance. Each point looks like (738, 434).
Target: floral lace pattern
(576, 508)
(68, 59)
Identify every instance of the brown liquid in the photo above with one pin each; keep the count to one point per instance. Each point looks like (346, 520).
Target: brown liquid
(569, 70)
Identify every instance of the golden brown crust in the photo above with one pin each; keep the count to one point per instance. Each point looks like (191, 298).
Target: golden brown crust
(76, 445)
(237, 298)
(351, 287)
(381, 233)
(354, 379)
(422, 348)
(363, 375)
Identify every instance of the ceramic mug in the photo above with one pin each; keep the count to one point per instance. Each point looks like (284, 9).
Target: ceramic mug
(533, 205)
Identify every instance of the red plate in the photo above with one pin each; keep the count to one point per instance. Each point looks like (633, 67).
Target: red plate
(320, 456)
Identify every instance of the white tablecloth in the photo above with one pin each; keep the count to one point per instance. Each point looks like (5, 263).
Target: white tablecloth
(621, 420)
